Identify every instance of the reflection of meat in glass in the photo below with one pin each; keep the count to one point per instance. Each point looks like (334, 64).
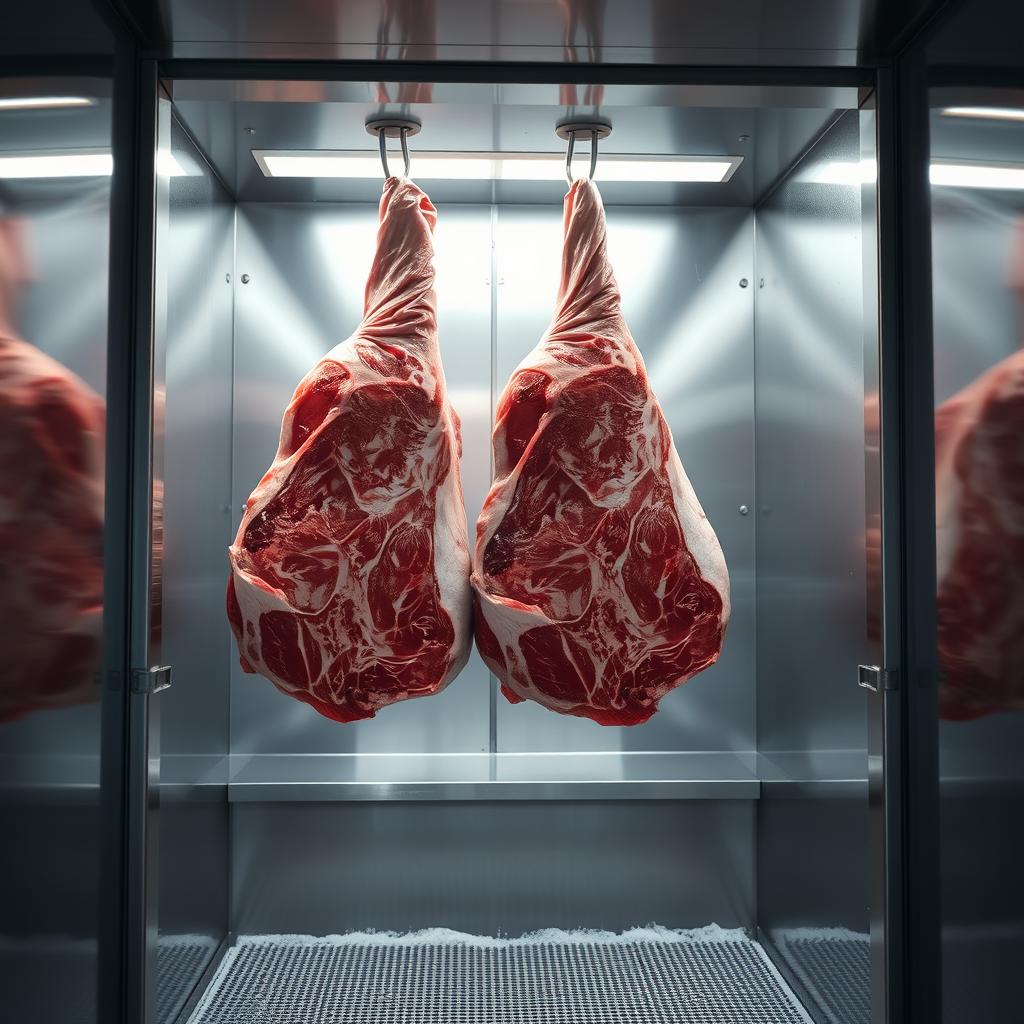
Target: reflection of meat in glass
(979, 478)
(416, 22)
(588, 16)
(51, 515)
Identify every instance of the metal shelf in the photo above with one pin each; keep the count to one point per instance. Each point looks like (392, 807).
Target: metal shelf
(554, 776)
(815, 774)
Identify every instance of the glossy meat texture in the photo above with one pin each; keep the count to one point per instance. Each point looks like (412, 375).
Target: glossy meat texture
(599, 583)
(979, 478)
(350, 570)
(51, 532)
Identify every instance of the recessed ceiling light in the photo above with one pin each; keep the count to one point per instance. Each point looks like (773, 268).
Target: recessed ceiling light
(44, 102)
(967, 175)
(83, 163)
(949, 173)
(80, 164)
(986, 113)
(428, 166)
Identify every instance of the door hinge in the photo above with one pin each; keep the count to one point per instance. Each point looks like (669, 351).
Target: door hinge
(151, 680)
(873, 677)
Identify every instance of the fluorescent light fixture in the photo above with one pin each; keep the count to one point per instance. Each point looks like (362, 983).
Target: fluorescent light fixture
(986, 113)
(80, 164)
(84, 163)
(325, 163)
(44, 102)
(965, 175)
(949, 173)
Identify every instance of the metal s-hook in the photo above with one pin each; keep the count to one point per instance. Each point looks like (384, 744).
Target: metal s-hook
(568, 130)
(400, 127)
(405, 149)
(593, 155)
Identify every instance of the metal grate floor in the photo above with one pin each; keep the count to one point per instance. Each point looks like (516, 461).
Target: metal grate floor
(834, 966)
(646, 976)
(180, 960)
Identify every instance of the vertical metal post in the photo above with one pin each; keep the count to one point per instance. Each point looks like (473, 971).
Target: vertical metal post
(129, 881)
(903, 764)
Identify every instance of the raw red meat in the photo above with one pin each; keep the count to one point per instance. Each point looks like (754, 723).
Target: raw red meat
(979, 478)
(350, 583)
(979, 518)
(51, 518)
(599, 583)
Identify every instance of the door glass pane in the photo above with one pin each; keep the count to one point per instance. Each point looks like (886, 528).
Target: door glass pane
(54, 226)
(977, 201)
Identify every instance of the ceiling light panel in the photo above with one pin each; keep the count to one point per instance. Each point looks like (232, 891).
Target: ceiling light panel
(83, 163)
(44, 102)
(986, 113)
(80, 164)
(495, 166)
(968, 175)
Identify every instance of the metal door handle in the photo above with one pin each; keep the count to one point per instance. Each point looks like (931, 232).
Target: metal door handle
(875, 678)
(151, 680)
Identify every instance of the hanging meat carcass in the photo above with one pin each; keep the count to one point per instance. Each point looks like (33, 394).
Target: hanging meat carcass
(52, 428)
(599, 583)
(350, 569)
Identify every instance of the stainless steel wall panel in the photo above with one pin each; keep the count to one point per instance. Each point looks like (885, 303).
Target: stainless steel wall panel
(197, 257)
(194, 345)
(307, 268)
(490, 868)
(691, 317)
(810, 456)
(812, 840)
(679, 272)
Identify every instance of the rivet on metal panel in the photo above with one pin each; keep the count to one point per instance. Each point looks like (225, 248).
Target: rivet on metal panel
(744, 138)
(744, 282)
(250, 131)
(744, 510)
(227, 278)
(245, 279)
(760, 284)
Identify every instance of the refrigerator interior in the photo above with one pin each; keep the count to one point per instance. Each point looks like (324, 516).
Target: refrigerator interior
(742, 803)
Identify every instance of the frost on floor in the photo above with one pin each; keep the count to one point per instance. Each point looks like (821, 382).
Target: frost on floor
(647, 975)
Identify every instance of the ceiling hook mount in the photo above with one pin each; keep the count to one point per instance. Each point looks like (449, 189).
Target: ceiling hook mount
(596, 128)
(386, 126)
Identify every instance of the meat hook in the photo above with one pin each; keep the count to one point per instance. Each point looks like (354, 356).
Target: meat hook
(382, 134)
(594, 136)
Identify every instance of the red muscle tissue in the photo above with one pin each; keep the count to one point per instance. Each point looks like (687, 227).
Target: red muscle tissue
(350, 570)
(979, 519)
(979, 483)
(599, 583)
(51, 516)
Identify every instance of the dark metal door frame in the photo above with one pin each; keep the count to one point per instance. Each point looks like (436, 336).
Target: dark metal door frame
(130, 732)
(903, 812)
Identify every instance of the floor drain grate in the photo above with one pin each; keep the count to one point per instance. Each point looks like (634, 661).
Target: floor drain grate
(647, 976)
(180, 960)
(834, 966)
